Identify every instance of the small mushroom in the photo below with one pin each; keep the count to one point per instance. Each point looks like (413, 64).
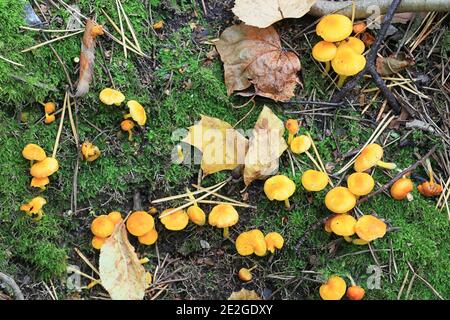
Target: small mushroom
(245, 274)
(39, 182)
(49, 107)
(369, 228)
(149, 238)
(343, 225)
(401, 189)
(176, 221)
(102, 226)
(115, 217)
(430, 188)
(196, 215)
(223, 216)
(300, 144)
(33, 152)
(127, 126)
(353, 43)
(347, 63)
(371, 156)
(49, 118)
(292, 128)
(327, 224)
(44, 168)
(334, 27)
(137, 112)
(360, 183)
(89, 151)
(274, 240)
(333, 289)
(354, 292)
(250, 242)
(324, 51)
(359, 27)
(340, 200)
(313, 180)
(279, 188)
(110, 96)
(34, 208)
(97, 242)
(139, 223)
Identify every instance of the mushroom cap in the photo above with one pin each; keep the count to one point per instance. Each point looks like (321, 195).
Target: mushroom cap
(340, 200)
(327, 224)
(90, 152)
(401, 188)
(34, 206)
(245, 274)
(300, 144)
(196, 215)
(49, 107)
(44, 168)
(97, 242)
(347, 62)
(175, 221)
(368, 157)
(334, 27)
(292, 126)
(139, 223)
(33, 152)
(324, 51)
(127, 125)
(250, 242)
(360, 183)
(102, 227)
(274, 240)
(359, 242)
(279, 188)
(39, 182)
(110, 96)
(49, 118)
(334, 289)
(149, 238)
(223, 215)
(313, 180)
(429, 189)
(343, 225)
(353, 43)
(359, 27)
(137, 112)
(369, 228)
(115, 217)
(355, 293)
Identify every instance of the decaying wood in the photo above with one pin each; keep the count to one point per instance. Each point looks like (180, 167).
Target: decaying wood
(10, 283)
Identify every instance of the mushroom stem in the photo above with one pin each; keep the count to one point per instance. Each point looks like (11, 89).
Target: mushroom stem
(386, 165)
(351, 279)
(290, 137)
(327, 68)
(252, 268)
(430, 171)
(130, 135)
(126, 116)
(287, 204)
(341, 80)
(226, 232)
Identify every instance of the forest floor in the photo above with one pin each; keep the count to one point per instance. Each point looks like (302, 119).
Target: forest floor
(181, 80)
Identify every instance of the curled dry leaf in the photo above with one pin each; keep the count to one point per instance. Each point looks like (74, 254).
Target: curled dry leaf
(244, 294)
(265, 148)
(222, 146)
(255, 56)
(391, 65)
(263, 13)
(121, 273)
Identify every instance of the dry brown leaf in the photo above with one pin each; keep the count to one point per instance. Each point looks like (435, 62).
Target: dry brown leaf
(255, 56)
(244, 294)
(263, 13)
(391, 65)
(265, 148)
(222, 146)
(121, 273)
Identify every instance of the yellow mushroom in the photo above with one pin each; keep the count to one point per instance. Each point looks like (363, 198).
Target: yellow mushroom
(334, 27)
(89, 151)
(223, 216)
(137, 112)
(347, 63)
(44, 168)
(369, 228)
(33, 152)
(333, 289)
(274, 240)
(371, 156)
(279, 188)
(110, 96)
(343, 225)
(250, 242)
(34, 208)
(176, 221)
(39, 182)
(127, 126)
(340, 200)
(360, 183)
(313, 180)
(324, 51)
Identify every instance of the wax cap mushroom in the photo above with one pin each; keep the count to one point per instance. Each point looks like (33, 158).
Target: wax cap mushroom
(115, 217)
(292, 128)
(39, 182)
(137, 112)
(245, 274)
(196, 215)
(274, 240)
(327, 224)
(33, 152)
(44, 168)
(353, 43)
(176, 221)
(347, 63)
(333, 289)
(139, 223)
(429, 189)
(110, 96)
(324, 51)
(313, 180)
(343, 225)
(34, 208)
(334, 27)
(97, 242)
(355, 292)
(90, 152)
(102, 226)
(223, 216)
(49, 118)
(369, 228)
(370, 156)
(401, 188)
(250, 242)
(360, 183)
(49, 107)
(279, 188)
(300, 144)
(340, 200)
(149, 238)
(127, 125)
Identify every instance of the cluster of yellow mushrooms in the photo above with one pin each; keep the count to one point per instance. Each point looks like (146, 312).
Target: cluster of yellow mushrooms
(42, 167)
(344, 53)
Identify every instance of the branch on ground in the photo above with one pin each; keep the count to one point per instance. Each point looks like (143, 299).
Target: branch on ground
(10, 283)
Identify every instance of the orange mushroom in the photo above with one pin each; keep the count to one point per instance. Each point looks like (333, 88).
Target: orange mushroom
(371, 156)
(369, 228)
(333, 289)
(430, 188)
(102, 226)
(139, 223)
(90, 152)
(343, 225)
(401, 189)
(39, 182)
(292, 127)
(127, 126)
(340, 200)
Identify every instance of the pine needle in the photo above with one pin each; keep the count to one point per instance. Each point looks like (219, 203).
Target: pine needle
(51, 41)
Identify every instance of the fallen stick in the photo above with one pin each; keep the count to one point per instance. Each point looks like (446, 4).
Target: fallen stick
(13, 285)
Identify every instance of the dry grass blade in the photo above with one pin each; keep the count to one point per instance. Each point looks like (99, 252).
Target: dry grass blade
(130, 44)
(217, 194)
(243, 205)
(444, 195)
(49, 291)
(86, 260)
(130, 26)
(61, 123)
(122, 32)
(320, 159)
(184, 195)
(51, 41)
(49, 30)
(70, 269)
(12, 62)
